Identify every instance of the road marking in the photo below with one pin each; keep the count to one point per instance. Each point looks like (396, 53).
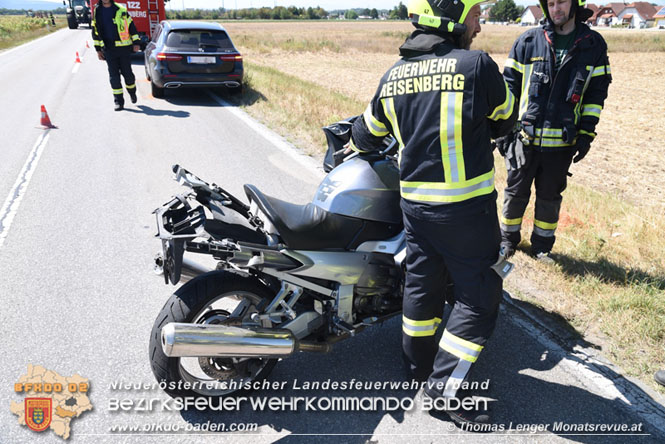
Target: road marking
(23, 46)
(272, 137)
(75, 68)
(596, 376)
(13, 201)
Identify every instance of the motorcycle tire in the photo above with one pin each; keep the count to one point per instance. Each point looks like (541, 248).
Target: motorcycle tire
(188, 305)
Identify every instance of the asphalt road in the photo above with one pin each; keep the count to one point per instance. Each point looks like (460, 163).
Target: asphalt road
(79, 296)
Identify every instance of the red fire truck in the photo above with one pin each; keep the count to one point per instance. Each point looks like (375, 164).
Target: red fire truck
(146, 15)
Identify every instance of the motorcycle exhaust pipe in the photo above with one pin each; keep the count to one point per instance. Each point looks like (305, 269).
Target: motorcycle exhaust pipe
(189, 269)
(197, 340)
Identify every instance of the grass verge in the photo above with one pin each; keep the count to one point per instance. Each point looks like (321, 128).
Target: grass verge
(16, 30)
(297, 108)
(609, 281)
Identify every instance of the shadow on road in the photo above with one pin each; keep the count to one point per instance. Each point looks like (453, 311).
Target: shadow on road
(158, 112)
(532, 383)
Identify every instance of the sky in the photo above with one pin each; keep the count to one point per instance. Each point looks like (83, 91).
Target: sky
(325, 4)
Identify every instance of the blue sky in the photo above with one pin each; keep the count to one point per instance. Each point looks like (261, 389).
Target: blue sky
(325, 4)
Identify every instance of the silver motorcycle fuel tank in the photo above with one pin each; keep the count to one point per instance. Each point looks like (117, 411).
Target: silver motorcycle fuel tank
(362, 189)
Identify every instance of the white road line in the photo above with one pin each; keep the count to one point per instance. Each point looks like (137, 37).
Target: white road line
(23, 46)
(275, 139)
(13, 201)
(76, 67)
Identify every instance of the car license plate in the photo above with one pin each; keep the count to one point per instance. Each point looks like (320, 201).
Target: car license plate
(200, 60)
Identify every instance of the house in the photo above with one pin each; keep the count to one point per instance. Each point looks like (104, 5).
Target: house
(593, 8)
(637, 14)
(531, 15)
(659, 18)
(608, 15)
(485, 15)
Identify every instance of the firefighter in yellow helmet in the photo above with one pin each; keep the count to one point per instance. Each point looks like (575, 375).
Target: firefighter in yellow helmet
(559, 72)
(443, 103)
(115, 38)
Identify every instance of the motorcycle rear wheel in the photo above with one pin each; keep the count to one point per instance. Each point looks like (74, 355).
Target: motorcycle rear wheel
(217, 297)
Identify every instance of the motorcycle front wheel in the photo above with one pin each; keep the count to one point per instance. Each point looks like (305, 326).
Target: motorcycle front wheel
(218, 297)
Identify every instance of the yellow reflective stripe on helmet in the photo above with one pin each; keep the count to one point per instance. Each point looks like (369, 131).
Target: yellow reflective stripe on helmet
(601, 71)
(545, 225)
(450, 135)
(459, 347)
(514, 64)
(375, 127)
(516, 221)
(389, 110)
(591, 110)
(429, 20)
(504, 110)
(445, 192)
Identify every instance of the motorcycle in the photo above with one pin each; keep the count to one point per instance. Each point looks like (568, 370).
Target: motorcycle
(288, 278)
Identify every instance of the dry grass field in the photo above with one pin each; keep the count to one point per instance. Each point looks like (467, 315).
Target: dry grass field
(350, 58)
(17, 29)
(609, 281)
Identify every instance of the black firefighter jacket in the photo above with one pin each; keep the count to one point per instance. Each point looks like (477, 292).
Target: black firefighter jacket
(556, 108)
(442, 104)
(125, 31)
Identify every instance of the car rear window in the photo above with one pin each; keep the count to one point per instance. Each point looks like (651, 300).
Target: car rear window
(194, 39)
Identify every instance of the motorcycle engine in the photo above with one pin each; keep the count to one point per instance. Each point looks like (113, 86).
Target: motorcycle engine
(379, 290)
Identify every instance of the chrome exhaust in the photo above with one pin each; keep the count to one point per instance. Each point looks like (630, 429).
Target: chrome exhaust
(197, 340)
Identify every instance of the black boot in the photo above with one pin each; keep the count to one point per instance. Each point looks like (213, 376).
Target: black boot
(132, 95)
(119, 105)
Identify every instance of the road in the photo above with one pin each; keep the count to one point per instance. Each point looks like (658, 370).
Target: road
(79, 295)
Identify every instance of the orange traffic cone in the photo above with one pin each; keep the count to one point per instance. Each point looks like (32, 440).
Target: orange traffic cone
(86, 44)
(78, 59)
(46, 122)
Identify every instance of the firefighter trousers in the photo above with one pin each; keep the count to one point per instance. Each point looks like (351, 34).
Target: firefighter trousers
(467, 245)
(119, 61)
(549, 171)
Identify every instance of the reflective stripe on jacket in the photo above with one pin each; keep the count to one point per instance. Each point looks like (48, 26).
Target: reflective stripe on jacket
(125, 31)
(565, 104)
(443, 107)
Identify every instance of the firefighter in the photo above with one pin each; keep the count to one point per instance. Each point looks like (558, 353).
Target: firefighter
(443, 103)
(115, 38)
(560, 74)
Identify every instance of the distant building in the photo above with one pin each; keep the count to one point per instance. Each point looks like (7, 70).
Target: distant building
(608, 15)
(595, 9)
(659, 18)
(636, 15)
(531, 15)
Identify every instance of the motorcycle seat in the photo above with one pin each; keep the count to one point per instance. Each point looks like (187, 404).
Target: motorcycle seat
(306, 227)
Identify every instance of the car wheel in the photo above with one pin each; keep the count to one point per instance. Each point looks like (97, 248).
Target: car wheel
(156, 90)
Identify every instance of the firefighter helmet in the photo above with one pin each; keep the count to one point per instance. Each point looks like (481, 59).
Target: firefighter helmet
(575, 6)
(442, 15)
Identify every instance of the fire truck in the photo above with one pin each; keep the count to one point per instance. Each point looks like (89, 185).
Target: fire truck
(146, 15)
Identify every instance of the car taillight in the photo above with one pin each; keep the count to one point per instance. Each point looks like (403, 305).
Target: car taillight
(168, 57)
(231, 58)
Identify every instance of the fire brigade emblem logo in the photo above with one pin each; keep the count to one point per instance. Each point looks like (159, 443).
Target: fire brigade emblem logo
(38, 413)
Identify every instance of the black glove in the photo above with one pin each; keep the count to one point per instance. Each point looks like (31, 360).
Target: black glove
(501, 144)
(582, 147)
